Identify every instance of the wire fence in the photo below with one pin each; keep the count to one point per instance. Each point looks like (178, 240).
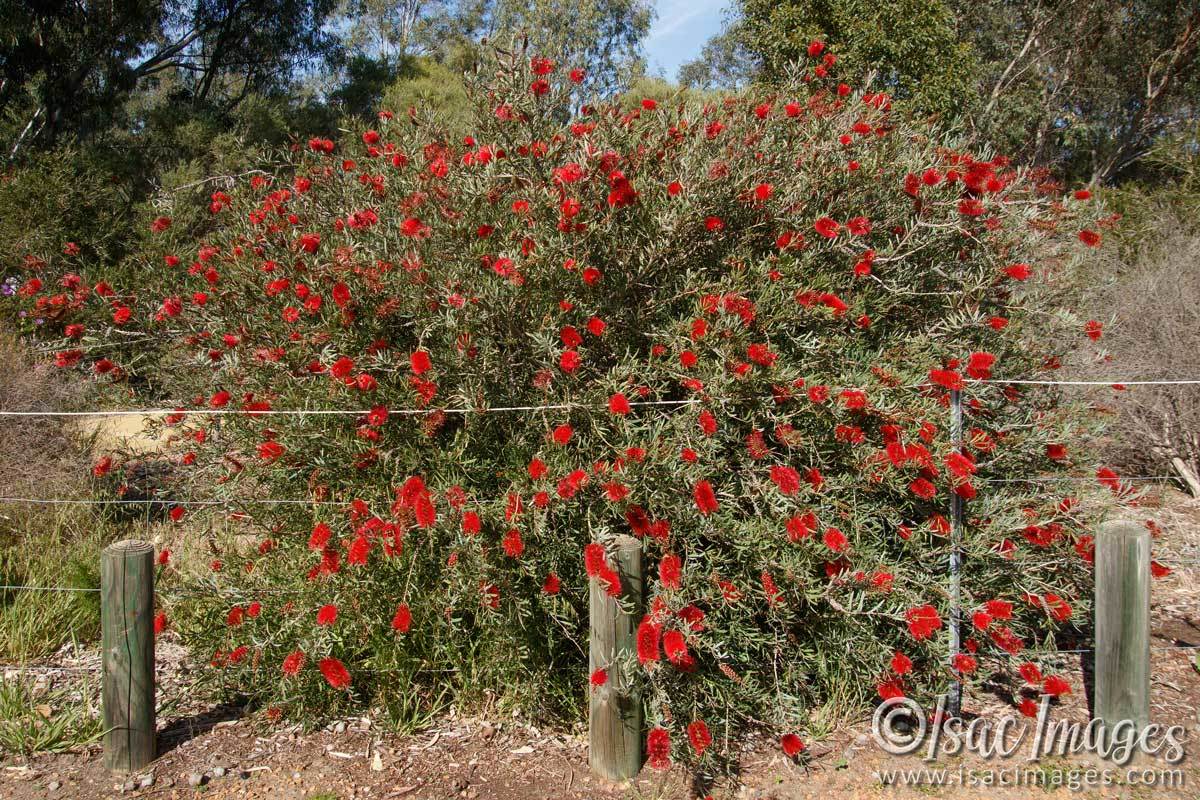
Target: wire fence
(180, 412)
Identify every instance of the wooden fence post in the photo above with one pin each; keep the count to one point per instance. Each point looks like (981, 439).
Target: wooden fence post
(127, 639)
(615, 712)
(1123, 626)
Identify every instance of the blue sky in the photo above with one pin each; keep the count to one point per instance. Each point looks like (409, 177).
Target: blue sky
(681, 29)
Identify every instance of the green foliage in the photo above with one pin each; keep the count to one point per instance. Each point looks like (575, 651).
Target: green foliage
(910, 47)
(40, 549)
(434, 89)
(40, 721)
(71, 194)
(789, 281)
(1086, 88)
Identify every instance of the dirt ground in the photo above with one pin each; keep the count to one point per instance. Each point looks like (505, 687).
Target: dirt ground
(213, 753)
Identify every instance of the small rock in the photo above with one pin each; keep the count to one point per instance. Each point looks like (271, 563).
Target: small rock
(195, 779)
(295, 776)
(146, 781)
(339, 727)
(219, 772)
(54, 786)
(128, 786)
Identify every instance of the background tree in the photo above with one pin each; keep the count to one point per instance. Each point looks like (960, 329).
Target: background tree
(1085, 88)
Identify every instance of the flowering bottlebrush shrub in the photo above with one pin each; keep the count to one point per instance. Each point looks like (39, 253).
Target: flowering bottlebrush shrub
(730, 331)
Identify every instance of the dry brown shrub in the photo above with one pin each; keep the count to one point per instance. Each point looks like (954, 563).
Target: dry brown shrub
(1150, 307)
(39, 456)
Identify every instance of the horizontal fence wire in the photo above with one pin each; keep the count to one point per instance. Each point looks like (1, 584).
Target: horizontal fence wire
(153, 412)
(50, 668)
(16, 588)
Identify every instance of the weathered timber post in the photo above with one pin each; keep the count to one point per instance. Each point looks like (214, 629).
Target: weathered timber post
(127, 639)
(1123, 628)
(615, 714)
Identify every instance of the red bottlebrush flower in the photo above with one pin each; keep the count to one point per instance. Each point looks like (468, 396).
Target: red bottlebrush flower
(618, 404)
(402, 619)
(706, 499)
(773, 595)
(964, 664)
(594, 559)
(102, 467)
(923, 621)
(621, 192)
(835, 540)
(923, 488)
(1056, 686)
(791, 744)
(513, 546)
(552, 585)
(562, 434)
(859, 226)
(1028, 707)
(708, 423)
(670, 570)
(599, 678)
(293, 662)
(164, 557)
(1158, 570)
(309, 242)
(1089, 237)
(1030, 673)
(1093, 330)
(160, 224)
(946, 378)
(787, 479)
(763, 192)
(647, 642)
(270, 451)
(358, 551)
(658, 749)
(970, 207)
(801, 526)
(714, 224)
(160, 622)
(470, 523)
(1056, 452)
(699, 737)
(890, 689)
(999, 609)
(420, 362)
(335, 673)
(1018, 272)
(327, 614)
(1108, 478)
(815, 48)
(826, 227)
(815, 479)
(901, 664)
(981, 620)
(176, 513)
(675, 647)
(569, 361)
(979, 365)
(412, 227)
(235, 616)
